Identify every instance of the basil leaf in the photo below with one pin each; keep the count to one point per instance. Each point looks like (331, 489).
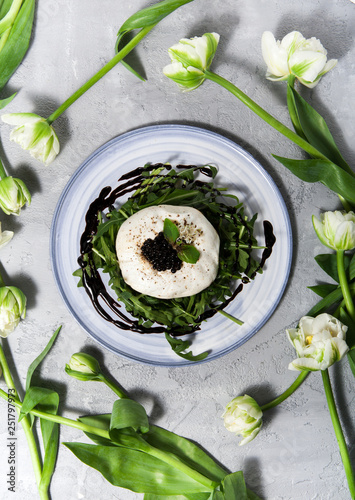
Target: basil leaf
(188, 253)
(171, 231)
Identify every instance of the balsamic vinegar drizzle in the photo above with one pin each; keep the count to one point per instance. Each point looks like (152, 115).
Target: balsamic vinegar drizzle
(91, 278)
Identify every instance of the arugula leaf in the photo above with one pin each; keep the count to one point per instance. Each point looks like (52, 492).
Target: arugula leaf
(178, 346)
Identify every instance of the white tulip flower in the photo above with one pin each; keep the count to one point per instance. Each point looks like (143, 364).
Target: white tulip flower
(319, 342)
(33, 133)
(336, 230)
(5, 237)
(13, 195)
(305, 59)
(243, 416)
(12, 309)
(190, 58)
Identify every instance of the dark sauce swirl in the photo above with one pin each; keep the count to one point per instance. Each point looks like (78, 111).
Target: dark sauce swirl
(102, 300)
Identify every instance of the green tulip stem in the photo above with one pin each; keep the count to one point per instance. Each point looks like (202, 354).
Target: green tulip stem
(114, 387)
(170, 459)
(161, 455)
(60, 420)
(339, 433)
(344, 285)
(102, 72)
(36, 462)
(287, 393)
(3, 174)
(264, 115)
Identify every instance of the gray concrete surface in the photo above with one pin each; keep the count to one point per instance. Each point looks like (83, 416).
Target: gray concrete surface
(296, 455)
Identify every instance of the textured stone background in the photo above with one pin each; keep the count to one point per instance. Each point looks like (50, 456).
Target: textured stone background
(296, 455)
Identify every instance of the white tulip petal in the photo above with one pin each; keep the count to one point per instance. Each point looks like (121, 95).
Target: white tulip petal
(274, 56)
(21, 118)
(307, 64)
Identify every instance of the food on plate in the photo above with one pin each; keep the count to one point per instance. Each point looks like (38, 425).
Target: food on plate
(151, 265)
(153, 209)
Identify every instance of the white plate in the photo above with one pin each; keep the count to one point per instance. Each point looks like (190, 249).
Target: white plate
(175, 144)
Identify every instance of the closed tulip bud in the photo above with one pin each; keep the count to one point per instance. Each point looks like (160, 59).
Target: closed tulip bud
(190, 58)
(305, 59)
(336, 229)
(84, 367)
(243, 416)
(12, 309)
(319, 342)
(13, 195)
(33, 133)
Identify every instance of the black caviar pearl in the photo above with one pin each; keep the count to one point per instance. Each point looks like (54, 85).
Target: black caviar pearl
(161, 254)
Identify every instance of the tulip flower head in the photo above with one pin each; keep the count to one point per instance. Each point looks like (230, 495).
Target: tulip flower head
(243, 416)
(33, 133)
(13, 195)
(336, 229)
(319, 342)
(12, 309)
(84, 367)
(190, 58)
(5, 237)
(305, 59)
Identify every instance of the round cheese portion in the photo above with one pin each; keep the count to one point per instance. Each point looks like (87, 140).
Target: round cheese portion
(194, 229)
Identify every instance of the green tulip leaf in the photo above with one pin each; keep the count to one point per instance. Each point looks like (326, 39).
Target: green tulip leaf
(188, 253)
(135, 471)
(193, 496)
(326, 172)
(351, 359)
(323, 290)
(40, 397)
(291, 104)
(128, 413)
(350, 323)
(145, 18)
(187, 451)
(234, 487)
(171, 231)
(328, 262)
(40, 358)
(352, 268)
(315, 130)
(17, 42)
(101, 422)
(323, 305)
(6, 101)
